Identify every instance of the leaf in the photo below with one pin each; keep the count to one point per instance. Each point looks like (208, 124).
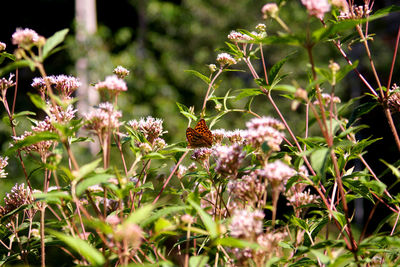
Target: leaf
(395, 170)
(186, 112)
(294, 40)
(161, 212)
(52, 197)
(199, 75)
(53, 41)
(38, 102)
(17, 65)
(277, 66)
(87, 168)
(208, 221)
(198, 261)
(319, 158)
(82, 247)
(339, 217)
(90, 181)
(248, 92)
(32, 139)
(139, 215)
(236, 243)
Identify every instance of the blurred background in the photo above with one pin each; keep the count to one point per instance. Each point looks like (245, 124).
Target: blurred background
(158, 40)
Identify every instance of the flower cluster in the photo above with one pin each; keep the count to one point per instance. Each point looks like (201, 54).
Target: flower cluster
(3, 164)
(246, 224)
(354, 12)
(394, 99)
(18, 196)
(112, 84)
(237, 36)
(228, 159)
(276, 173)
(265, 129)
(201, 154)
(5, 84)
(317, 8)
(152, 129)
(224, 59)
(121, 72)
(327, 99)
(26, 38)
(270, 10)
(248, 189)
(102, 118)
(66, 85)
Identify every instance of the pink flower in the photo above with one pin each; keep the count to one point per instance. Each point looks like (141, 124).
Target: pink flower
(2, 46)
(25, 37)
(225, 59)
(317, 8)
(112, 84)
(121, 72)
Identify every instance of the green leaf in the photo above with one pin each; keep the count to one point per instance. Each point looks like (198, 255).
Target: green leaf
(38, 102)
(277, 66)
(395, 170)
(332, 30)
(236, 243)
(198, 261)
(32, 139)
(52, 197)
(139, 215)
(87, 168)
(375, 186)
(199, 75)
(92, 180)
(53, 41)
(162, 212)
(208, 221)
(186, 112)
(17, 65)
(319, 159)
(294, 40)
(163, 225)
(154, 155)
(248, 92)
(339, 217)
(82, 247)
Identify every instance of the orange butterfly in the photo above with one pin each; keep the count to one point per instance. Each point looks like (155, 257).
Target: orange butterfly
(200, 136)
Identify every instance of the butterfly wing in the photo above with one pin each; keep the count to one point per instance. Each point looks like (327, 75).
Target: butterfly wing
(194, 138)
(202, 129)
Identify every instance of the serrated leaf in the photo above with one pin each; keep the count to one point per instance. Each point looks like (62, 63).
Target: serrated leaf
(82, 247)
(139, 215)
(277, 66)
(339, 217)
(17, 65)
(161, 212)
(87, 168)
(236, 243)
(53, 41)
(248, 92)
(38, 102)
(32, 139)
(319, 158)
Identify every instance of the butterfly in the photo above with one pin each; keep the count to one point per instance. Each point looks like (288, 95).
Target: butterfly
(200, 136)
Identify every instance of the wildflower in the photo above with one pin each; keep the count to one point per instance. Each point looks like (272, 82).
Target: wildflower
(181, 171)
(342, 4)
(237, 36)
(201, 154)
(113, 219)
(187, 219)
(18, 196)
(270, 10)
(212, 68)
(3, 164)
(121, 72)
(246, 224)
(66, 84)
(102, 118)
(297, 199)
(159, 143)
(264, 130)
(5, 84)
(394, 99)
(2, 46)
(228, 159)
(218, 135)
(317, 8)
(355, 12)
(192, 167)
(150, 127)
(269, 243)
(236, 136)
(261, 27)
(225, 59)
(277, 173)
(248, 189)
(25, 37)
(145, 148)
(334, 67)
(112, 84)
(326, 99)
(130, 233)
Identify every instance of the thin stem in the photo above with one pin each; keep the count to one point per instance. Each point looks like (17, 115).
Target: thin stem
(393, 61)
(208, 92)
(170, 176)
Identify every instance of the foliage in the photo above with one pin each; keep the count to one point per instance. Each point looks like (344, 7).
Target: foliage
(225, 207)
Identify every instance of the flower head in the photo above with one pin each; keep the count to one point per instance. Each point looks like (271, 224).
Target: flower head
(246, 224)
(270, 10)
(228, 159)
(317, 8)
(121, 72)
(277, 173)
(102, 118)
(224, 59)
(18, 196)
(237, 36)
(264, 130)
(3, 164)
(152, 128)
(6, 83)
(112, 84)
(2, 46)
(25, 37)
